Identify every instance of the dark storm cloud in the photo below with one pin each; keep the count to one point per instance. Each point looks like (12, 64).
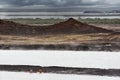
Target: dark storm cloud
(54, 3)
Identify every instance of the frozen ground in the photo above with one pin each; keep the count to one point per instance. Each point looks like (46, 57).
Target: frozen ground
(37, 76)
(61, 58)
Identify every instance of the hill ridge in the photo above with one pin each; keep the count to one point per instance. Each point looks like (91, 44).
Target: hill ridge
(71, 26)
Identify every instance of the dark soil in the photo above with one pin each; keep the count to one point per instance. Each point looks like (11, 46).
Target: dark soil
(61, 70)
(70, 26)
(80, 47)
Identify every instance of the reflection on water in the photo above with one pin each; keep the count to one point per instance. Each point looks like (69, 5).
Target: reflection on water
(38, 76)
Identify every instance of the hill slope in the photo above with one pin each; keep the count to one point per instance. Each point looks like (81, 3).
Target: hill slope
(74, 26)
(70, 26)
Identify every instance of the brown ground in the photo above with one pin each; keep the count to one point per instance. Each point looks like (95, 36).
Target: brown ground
(68, 32)
(70, 26)
(114, 27)
(50, 39)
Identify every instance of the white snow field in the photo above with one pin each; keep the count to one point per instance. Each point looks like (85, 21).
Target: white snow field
(61, 58)
(37, 76)
(58, 58)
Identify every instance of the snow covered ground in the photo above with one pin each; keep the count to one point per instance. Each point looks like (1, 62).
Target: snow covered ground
(61, 58)
(37, 76)
(58, 58)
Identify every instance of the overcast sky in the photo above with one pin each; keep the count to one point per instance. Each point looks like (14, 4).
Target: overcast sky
(57, 3)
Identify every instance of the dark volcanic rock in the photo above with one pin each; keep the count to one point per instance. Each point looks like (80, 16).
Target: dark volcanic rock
(73, 26)
(61, 70)
(70, 26)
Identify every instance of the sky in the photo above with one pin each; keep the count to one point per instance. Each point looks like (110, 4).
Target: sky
(58, 3)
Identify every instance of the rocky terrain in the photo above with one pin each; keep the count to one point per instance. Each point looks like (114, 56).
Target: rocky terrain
(70, 26)
(67, 35)
(61, 70)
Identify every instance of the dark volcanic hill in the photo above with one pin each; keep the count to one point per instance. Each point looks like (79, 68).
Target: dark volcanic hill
(70, 26)
(74, 26)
